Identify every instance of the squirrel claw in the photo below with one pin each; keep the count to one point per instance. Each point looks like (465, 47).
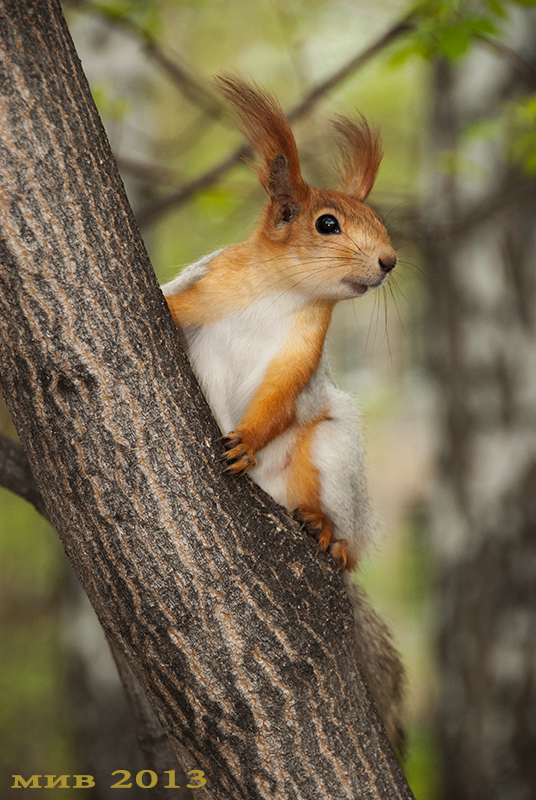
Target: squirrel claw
(239, 459)
(318, 525)
(231, 439)
(337, 549)
(315, 524)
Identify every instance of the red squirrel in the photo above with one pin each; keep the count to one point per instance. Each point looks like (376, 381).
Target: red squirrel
(255, 317)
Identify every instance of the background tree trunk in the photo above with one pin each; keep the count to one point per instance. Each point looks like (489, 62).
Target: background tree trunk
(237, 629)
(481, 247)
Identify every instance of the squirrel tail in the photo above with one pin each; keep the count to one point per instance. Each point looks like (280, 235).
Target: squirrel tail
(379, 661)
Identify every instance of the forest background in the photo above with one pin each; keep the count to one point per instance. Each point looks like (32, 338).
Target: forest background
(149, 65)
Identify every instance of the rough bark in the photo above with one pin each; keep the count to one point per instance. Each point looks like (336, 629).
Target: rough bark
(483, 345)
(156, 748)
(237, 629)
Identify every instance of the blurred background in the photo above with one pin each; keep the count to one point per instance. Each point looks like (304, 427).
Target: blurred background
(442, 362)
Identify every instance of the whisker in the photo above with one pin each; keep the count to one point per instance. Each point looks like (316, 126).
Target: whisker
(384, 294)
(394, 208)
(391, 290)
(375, 318)
(416, 270)
(355, 244)
(408, 301)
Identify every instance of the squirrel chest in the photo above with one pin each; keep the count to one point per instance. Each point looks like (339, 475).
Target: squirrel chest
(231, 356)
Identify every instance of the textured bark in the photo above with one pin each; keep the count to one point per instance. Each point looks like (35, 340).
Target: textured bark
(156, 748)
(237, 629)
(483, 340)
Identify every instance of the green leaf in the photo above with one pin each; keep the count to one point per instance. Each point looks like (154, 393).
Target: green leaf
(455, 44)
(143, 13)
(497, 8)
(481, 25)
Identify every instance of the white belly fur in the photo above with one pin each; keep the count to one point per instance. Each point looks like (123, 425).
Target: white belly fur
(230, 358)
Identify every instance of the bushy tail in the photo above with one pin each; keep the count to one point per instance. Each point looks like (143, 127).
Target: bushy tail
(379, 661)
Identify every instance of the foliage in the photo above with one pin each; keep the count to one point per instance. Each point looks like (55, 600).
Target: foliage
(449, 28)
(144, 14)
(522, 119)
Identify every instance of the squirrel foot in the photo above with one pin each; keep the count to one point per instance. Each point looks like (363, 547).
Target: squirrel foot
(318, 525)
(238, 457)
(337, 549)
(315, 524)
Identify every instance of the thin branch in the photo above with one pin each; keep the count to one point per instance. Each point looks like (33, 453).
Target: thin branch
(16, 475)
(517, 62)
(404, 26)
(188, 190)
(192, 89)
(185, 192)
(152, 173)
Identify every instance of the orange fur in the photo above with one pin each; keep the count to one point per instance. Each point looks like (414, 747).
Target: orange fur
(303, 486)
(229, 286)
(264, 124)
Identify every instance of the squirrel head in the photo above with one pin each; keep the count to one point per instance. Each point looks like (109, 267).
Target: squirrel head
(343, 241)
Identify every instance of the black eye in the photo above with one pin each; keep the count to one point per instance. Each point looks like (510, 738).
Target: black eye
(327, 223)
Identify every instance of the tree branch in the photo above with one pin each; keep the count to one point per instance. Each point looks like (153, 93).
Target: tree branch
(192, 89)
(16, 475)
(517, 62)
(151, 173)
(154, 744)
(238, 630)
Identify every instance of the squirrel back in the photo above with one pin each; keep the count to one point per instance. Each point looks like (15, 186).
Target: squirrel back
(255, 317)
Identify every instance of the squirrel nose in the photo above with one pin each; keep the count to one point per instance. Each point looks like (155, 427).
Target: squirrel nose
(387, 263)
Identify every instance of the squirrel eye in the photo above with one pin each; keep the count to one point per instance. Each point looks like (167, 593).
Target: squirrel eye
(327, 223)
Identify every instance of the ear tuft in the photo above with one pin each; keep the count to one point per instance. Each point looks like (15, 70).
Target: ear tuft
(263, 123)
(361, 155)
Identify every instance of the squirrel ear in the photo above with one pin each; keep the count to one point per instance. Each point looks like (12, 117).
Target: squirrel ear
(263, 123)
(361, 155)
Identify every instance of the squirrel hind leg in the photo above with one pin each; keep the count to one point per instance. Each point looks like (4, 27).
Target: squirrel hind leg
(303, 496)
(339, 550)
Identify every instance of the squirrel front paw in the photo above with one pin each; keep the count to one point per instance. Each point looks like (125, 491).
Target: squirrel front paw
(239, 458)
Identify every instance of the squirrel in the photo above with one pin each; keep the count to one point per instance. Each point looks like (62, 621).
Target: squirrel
(255, 316)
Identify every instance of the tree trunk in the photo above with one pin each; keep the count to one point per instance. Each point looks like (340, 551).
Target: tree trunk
(236, 627)
(481, 246)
